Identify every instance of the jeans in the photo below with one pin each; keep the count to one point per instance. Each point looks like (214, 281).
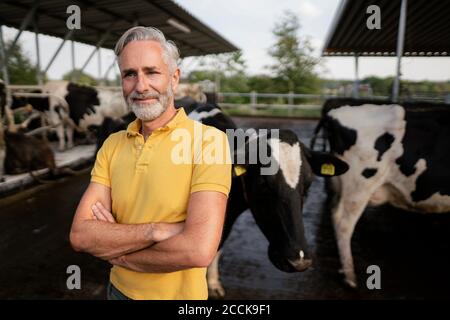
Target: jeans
(113, 293)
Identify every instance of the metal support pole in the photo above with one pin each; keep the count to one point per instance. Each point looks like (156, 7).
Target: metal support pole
(88, 60)
(99, 62)
(8, 113)
(97, 46)
(25, 22)
(38, 54)
(3, 59)
(253, 98)
(111, 66)
(66, 37)
(356, 82)
(291, 98)
(72, 75)
(400, 45)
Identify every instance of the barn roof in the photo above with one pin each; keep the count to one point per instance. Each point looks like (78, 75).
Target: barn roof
(108, 19)
(427, 29)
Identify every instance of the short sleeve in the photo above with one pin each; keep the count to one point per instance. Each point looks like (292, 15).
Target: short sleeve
(100, 171)
(212, 171)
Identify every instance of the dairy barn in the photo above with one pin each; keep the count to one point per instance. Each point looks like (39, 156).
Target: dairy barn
(356, 211)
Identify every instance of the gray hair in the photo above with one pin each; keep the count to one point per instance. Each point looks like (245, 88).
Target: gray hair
(170, 51)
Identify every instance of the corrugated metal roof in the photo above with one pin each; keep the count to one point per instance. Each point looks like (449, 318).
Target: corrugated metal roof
(116, 16)
(427, 29)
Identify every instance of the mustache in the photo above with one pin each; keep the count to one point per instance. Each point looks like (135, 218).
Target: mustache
(149, 95)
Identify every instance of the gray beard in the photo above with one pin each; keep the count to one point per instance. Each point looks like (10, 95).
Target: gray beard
(151, 111)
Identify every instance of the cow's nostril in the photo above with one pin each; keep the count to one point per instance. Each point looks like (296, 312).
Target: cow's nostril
(301, 264)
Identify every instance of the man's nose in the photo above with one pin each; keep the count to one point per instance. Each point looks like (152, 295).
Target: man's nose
(141, 84)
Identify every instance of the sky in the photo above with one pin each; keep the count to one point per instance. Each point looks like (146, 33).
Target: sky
(248, 24)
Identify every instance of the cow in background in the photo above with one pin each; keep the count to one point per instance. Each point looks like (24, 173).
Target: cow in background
(398, 154)
(85, 107)
(20, 153)
(27, 153)
(71, 108)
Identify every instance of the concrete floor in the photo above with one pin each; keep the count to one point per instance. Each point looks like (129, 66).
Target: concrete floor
(412, 250)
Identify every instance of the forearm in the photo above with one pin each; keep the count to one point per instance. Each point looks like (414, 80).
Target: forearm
(109, 240)
(194, 247)
(183, 251)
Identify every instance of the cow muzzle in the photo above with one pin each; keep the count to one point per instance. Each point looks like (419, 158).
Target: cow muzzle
(294, 262)
(302, 263)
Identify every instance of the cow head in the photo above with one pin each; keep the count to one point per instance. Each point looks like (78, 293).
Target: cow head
(276, 199)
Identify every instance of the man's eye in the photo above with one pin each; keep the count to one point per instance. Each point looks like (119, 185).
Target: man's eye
(130, 74)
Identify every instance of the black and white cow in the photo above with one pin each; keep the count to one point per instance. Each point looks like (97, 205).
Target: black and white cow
(276, 201)
(70, 107)
(87, 107)
(398, 154)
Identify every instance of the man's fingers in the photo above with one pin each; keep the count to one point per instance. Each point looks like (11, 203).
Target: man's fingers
(97, 214)
(105, 212)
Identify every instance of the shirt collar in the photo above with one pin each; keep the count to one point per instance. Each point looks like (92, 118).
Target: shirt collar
(134, 127)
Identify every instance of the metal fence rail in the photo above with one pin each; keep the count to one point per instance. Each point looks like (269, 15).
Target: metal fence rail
(289, 100)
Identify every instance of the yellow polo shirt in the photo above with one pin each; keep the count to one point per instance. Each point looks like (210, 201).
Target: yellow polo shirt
(152, 182)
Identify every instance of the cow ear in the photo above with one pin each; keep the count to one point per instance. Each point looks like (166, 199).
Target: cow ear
(325, 164)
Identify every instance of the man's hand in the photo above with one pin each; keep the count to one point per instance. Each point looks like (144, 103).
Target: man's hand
(194, 247)
(94, 228)
(101, 214)
(160, 231)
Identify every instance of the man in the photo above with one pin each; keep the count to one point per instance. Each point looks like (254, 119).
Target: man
(157, 220)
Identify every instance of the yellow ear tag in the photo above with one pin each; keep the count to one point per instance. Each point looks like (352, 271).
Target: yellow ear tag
(239, 170)
(327, 169)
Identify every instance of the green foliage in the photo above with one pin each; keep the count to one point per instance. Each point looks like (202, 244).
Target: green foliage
(292, 70)
(383, 87)
(82, 78)
(294, 62)
(380, 86)
(226, 70)
(20, 68)
(427, 88)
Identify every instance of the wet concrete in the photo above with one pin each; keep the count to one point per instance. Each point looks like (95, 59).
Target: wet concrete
(412, 250)
(34, 244)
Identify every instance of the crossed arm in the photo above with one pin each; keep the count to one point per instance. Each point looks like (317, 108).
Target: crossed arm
(152, 247)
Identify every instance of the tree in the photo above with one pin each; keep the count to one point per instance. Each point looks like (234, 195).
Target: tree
(20, 68)
(81, 77)
(230, 64)
(380, 86)
(294, 61)
(227, 70)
